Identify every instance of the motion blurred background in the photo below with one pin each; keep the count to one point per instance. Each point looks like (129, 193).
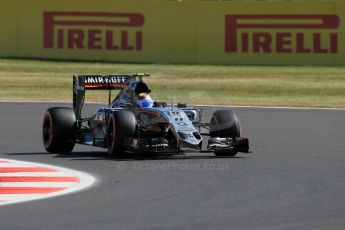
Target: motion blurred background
(281, 53)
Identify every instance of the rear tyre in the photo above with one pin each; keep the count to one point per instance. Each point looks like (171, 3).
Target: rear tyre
(120, 128)
(58, 130)
(225, 123)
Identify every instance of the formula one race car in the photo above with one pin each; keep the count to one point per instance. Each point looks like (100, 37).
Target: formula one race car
(127, 125)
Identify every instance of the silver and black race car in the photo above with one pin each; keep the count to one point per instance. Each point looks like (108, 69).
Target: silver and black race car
(126, 126)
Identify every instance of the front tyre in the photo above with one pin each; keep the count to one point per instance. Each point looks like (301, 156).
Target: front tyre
(58, 130)
(120, 128)
(225, 124)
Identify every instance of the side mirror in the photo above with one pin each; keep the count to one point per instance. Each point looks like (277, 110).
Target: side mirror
(125, 104)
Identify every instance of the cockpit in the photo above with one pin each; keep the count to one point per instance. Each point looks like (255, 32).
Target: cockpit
(136, 94)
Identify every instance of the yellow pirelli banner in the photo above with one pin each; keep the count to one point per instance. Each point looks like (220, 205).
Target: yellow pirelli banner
(201, 32)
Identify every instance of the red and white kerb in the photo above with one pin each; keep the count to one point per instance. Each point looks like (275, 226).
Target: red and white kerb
(24, 181)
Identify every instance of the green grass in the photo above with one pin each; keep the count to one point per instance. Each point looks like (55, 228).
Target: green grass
(195, 84)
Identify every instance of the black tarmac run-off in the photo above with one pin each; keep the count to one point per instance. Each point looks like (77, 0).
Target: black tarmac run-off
(295, 179)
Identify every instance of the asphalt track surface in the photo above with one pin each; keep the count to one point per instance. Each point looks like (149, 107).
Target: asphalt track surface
(294, 179)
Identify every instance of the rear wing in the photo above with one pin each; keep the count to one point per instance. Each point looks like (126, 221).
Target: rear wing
(81, 83)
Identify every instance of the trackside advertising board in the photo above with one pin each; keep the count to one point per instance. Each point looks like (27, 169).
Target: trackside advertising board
(201, 32)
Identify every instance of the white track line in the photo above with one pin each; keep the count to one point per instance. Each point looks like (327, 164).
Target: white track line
(18, 197)
(224, 106)
(271, 107)
(12, 164)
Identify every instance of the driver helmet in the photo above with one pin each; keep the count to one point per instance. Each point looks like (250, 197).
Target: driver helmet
(141, 87)
(142, 91)
(146, 103)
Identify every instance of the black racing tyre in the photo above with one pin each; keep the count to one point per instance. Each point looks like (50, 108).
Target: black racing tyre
(58, 130)
(121, 126)
(225, 123)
